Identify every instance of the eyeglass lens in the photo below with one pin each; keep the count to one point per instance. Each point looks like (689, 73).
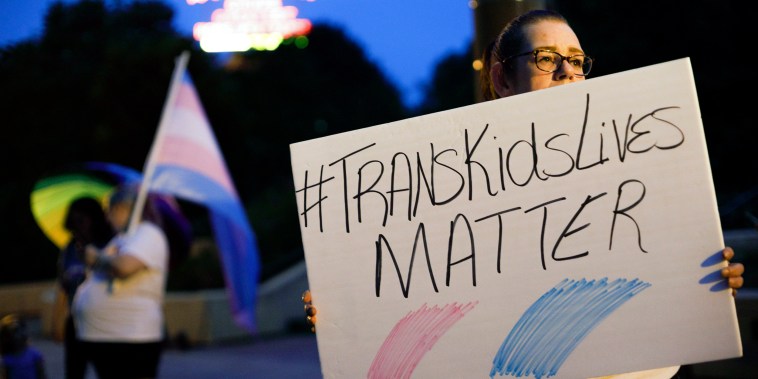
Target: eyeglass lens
(550, 61)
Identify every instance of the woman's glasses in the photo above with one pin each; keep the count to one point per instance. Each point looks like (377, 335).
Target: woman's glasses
(550, 61)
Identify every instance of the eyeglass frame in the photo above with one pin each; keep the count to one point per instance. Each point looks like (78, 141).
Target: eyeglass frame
(557, 67)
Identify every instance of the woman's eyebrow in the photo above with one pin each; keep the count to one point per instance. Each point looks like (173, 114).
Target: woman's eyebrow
(555, 48)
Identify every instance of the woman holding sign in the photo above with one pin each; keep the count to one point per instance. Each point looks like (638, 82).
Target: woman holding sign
(539, 50)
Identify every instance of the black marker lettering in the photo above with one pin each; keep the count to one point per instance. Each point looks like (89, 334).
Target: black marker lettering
(472, 256)
(581, 142)
(370, 189)
(544, 223)
(499, 231)
(617, 211)
(404, 287)
(469, 162)
(318, 203)
(344, 182)
(567, 232)
(394, 190)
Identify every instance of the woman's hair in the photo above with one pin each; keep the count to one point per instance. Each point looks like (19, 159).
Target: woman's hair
(485, 81)
(127, 194)
(100, 230)
(510, 41)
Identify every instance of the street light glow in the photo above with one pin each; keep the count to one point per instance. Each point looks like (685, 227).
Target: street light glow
(242, 25)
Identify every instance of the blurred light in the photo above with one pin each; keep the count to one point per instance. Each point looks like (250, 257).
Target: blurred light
(242, 25)
(473, 4)
(301, 42)
(477, 64)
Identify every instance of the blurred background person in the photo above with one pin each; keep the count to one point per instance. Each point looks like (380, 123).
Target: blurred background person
(118, 310)
(19, 360)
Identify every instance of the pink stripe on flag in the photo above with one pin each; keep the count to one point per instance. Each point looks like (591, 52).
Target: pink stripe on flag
(186, 97)
(187, 118)
(184, 153)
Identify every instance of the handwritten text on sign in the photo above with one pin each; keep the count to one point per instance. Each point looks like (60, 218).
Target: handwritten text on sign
(465, 218)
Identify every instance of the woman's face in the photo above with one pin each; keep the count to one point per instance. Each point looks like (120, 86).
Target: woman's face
(526, 77)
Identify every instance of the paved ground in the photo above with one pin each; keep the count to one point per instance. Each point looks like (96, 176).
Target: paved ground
(293, 356)
(296, 356)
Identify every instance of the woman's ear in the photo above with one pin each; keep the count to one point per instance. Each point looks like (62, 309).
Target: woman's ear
(499, 81)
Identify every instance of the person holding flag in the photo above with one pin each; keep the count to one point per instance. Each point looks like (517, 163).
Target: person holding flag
(118, 310)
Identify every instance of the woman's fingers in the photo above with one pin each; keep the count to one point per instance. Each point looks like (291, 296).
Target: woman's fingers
(728, 253)
(306, 297)
(734, 270)
(735, 283)
(311, 320)
(310, 310)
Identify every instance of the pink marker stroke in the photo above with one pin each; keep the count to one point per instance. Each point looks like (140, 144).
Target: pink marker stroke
(412, 337)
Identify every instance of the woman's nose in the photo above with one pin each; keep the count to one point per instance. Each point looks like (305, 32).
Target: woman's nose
(565, 71)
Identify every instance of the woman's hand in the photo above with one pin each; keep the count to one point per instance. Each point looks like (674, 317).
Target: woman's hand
(90, 255)
(733, 272)
(310, 310)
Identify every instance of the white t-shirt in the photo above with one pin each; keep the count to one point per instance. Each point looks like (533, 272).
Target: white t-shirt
(108, 309)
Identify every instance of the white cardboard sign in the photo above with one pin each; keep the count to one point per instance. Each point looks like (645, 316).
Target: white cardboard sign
(568, 232)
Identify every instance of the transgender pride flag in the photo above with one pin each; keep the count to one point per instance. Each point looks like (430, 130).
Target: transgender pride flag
(186, 162)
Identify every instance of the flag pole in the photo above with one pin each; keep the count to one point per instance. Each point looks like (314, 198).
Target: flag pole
(168, 107)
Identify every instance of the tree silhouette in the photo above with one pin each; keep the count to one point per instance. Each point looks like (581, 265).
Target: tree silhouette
(93, 86)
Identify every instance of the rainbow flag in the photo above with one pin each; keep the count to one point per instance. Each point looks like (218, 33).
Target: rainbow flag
(185, 161)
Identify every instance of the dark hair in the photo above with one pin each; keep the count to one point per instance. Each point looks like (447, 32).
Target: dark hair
(13, 335)
(100, 231)
(510, 41)
(485, 81)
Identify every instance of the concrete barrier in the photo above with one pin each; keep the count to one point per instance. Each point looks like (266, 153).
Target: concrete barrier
(26, 299)
(197, 317)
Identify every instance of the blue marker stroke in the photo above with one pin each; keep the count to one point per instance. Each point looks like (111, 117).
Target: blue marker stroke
(557, 322)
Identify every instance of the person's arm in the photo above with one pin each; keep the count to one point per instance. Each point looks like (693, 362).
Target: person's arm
(120, 266)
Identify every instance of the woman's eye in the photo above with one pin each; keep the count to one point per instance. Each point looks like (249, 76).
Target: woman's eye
(577, 61)
(545, 58)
